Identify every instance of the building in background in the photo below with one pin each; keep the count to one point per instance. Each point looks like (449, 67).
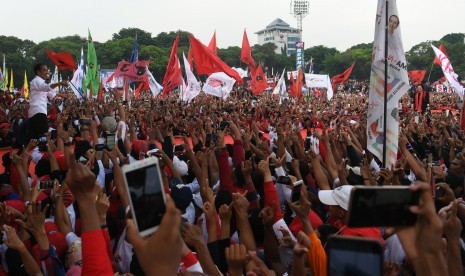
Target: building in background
(282, 35)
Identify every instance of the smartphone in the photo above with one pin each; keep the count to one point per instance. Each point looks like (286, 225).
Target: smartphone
(208, 140)
(152, 152)
(354, 256)
(110, 141)
(85, 122)
(382, 206)
(83, 160)
(99, 147)
(178, 149)
(223, 125)
(43, 143)
(46, 184)
(285, 180)
(296, 189)
(146, 194)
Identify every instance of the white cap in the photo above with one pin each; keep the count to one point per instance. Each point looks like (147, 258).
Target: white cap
(339, 196)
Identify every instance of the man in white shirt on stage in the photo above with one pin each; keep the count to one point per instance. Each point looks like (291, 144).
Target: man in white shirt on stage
(40, 92)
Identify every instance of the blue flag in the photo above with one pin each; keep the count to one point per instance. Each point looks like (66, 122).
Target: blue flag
(135, 52)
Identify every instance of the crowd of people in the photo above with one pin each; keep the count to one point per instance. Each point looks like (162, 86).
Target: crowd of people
(65, 210)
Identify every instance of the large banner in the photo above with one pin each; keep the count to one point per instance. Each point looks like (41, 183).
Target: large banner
(132, 71)
(320, 81)
(397, 83)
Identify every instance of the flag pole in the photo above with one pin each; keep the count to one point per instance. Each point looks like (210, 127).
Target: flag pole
(385, 83)
(429, 75)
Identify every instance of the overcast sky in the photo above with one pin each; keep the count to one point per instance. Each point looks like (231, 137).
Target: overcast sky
(333, 23)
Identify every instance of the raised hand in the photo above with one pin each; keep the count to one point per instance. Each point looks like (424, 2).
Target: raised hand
(164, 245)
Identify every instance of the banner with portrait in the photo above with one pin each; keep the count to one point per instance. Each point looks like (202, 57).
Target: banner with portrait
(397, 82)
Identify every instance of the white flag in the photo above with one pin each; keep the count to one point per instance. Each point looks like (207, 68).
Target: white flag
(219, 84)
(242, 73)
(155, 87)
(193, 86)
(55, 79)
(280, 88)
(448, 71)
(78, 76)
(397, 84)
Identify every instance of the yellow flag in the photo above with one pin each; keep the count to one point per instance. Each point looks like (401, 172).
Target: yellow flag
(25, 86)
(12, 85)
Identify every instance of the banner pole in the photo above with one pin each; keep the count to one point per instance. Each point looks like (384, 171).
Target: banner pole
(385, 84)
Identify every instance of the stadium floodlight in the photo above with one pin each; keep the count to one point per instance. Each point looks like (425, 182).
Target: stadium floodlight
(299, 9)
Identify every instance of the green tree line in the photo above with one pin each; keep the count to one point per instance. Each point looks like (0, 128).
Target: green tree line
(24, 54)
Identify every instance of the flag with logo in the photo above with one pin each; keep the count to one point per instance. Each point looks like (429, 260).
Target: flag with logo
(259, 83)
(219, 84)
(135, 71)
(397, 83)
(280, 87)
(63, 60)
(92, 80)
(320, 81)
(193, 86)
(443, 50)
(448, 71)
(76, 82)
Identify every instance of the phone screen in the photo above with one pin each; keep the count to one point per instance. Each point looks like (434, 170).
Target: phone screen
(43, 143)
(110, 141)
(295, 196)
(47, 184)
(382, 206)
(354, 256)
(147, 198)
(285, 180)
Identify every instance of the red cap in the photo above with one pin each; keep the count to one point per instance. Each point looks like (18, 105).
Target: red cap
(2, 125)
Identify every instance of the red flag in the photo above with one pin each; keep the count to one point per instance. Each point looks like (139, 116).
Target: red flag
(173, 73)
(212, 45)
(246, 52)
(442, 49)
(207, 63)
(144, 85)
(135, 71)
(259, 83)
(63, 60)
(100, 91)
(417, 76)
(298, 85)
(189, 57)
(174, 80)
(341, 78)
(292, 89)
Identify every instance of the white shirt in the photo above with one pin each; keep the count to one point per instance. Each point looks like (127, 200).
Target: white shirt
(39, 95)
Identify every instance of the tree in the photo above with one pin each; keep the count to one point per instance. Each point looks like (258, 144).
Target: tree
(143, 37)
(319, 54)
(454, 38)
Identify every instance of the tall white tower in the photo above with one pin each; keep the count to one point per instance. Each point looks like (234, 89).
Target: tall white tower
(299, 8)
